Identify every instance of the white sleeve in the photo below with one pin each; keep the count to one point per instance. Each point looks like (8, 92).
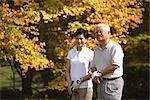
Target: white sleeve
(117, 55)
(69, 55)
(91, 59)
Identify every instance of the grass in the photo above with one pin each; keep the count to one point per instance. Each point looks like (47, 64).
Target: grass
(10, 84)
(7, 79)
(136, 85)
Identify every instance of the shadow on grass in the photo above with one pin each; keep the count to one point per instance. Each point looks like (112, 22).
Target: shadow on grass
(10, 94)
(58, 95)
(16, 94)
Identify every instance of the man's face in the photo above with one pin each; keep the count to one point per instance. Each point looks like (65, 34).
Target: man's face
(102, 34)
(80, 40)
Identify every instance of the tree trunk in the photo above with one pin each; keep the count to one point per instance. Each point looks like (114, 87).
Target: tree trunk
(26, 84)
(13, 72)
(46, 76)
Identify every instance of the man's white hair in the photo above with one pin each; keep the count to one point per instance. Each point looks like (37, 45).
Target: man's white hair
(107, 28)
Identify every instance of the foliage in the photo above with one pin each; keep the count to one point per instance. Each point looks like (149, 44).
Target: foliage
(19, 38)
(136, 77)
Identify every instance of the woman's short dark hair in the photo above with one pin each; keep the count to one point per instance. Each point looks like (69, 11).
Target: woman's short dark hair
(81, 31)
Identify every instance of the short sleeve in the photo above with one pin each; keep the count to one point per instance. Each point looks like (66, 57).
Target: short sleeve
(117, 55)
(69, 55)
(91, 56)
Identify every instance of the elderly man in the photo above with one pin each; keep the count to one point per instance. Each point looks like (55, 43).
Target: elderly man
(108, 59)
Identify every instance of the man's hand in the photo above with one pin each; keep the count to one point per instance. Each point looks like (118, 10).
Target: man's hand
(75, 85)
(97, 77)
(96, 74)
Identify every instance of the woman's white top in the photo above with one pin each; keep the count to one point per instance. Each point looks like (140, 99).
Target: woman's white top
(79, 64)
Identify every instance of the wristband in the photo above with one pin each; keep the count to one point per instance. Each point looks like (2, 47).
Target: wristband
(101, 74)
(96, 74)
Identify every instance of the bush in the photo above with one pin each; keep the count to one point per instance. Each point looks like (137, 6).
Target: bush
(136, 82)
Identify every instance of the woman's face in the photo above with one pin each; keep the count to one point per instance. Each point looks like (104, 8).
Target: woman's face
(80, 40)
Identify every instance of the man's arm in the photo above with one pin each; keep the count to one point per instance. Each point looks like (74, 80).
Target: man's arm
(109, 69)
(105, 71)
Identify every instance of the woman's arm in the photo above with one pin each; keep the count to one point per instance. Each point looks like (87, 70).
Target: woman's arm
(68, 76)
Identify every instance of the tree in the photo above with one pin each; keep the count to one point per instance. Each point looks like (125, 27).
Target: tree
(19, 42)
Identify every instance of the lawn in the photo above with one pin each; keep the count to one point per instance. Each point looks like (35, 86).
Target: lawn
(8, 79)
(136, 85)
(10, 84)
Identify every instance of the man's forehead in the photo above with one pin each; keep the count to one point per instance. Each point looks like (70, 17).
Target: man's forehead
(99, 28)
(103, 27)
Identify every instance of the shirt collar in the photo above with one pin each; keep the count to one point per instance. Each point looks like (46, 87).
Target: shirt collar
(75, 48)
(108, 45)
